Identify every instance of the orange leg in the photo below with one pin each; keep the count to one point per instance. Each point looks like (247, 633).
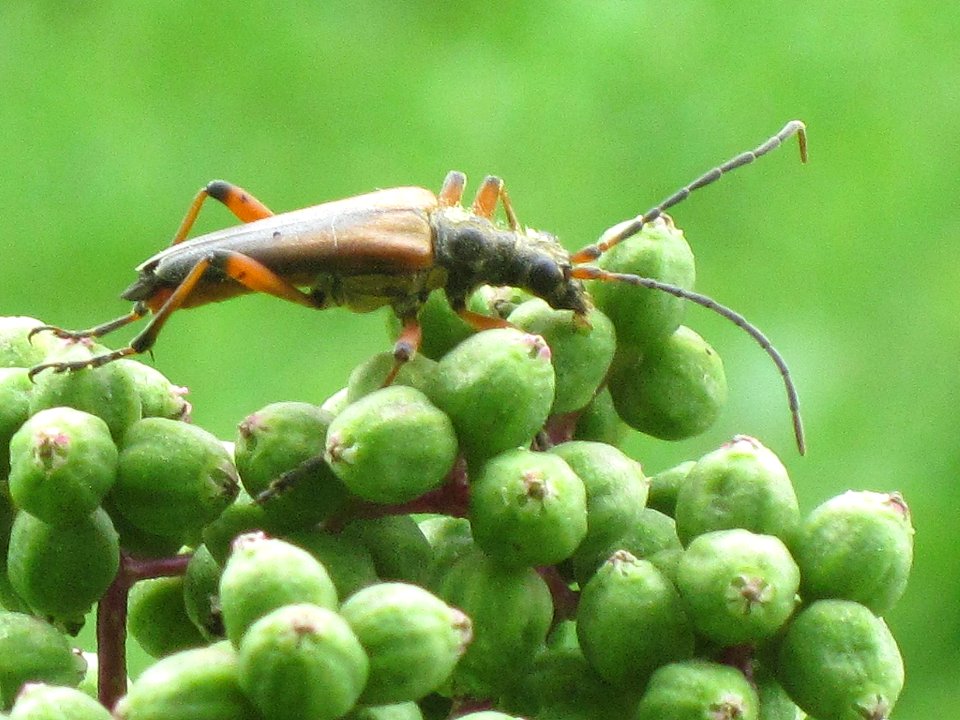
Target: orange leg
(491, 190)
(452, 189)
(242, 268)
(480, 322)
(406, 346)
(241, 203)
(138, 311)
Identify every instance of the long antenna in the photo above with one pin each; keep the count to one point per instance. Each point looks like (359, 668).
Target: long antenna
(621, 231)
(588, 272)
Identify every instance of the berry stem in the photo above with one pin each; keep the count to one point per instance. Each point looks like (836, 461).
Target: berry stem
(112, 621)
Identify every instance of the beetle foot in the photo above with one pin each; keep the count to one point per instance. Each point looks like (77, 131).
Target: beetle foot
(59, 332)
(74, 365)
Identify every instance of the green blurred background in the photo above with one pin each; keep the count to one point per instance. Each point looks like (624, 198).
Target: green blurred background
(113, 113)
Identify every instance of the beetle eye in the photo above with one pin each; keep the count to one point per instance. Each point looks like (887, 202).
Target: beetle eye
(544, 277)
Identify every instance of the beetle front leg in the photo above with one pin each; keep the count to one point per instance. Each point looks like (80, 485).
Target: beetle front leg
(241, 203)
(452, 189)
(485, 203)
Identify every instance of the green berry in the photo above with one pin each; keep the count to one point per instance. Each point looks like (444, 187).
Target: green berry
(562, 684)
(9, 600)
(581, 349)
(198, 684)
(775, 704)
(497, 387)
(63, 463)
(89, 683)
(652, 537)
(599, 421)
(302, 661)
(32, 650)
(19, 350)
(740, 485)
(698, 690)
(345, 557)
(15, 389)
(336, 402)
(528, 508)
(442, 328)
(137, 542)
(511, 609)
(395, 711)
(644, 317)
(243, 515)
(738, 587)
(277, 439)
(263, 574)
(631, 620)
(839, 661)
(450, 539)
(497, 301)
(616, 492)
(395, 542)
(157, 617)
(52, 702)
(61, 571)
(672, 390)
(158, 396)
(857, 546)
(413, 640)
(369, 376)
(201, 594)
(173, 478)
(391, 446)
(665, 485)
(109, 392)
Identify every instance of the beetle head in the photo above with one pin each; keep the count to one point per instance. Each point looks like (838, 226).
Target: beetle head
(549, 276)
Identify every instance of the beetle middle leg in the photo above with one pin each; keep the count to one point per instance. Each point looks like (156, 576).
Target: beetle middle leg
(406, 346)
(138, 311)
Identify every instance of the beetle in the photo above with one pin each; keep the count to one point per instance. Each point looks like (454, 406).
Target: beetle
(392, 248)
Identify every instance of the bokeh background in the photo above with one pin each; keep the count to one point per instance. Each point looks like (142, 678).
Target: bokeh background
(113, 113)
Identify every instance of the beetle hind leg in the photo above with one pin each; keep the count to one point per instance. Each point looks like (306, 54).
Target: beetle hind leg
(237, 200)
(243, 269)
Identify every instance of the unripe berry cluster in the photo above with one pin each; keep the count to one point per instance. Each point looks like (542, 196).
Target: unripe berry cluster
(467, 542)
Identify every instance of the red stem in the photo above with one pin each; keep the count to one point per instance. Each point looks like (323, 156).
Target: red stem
(112, 621)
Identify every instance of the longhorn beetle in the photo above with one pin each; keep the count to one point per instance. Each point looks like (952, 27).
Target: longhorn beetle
(392, 247)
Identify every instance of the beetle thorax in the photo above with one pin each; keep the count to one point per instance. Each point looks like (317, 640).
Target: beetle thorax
(475, 251)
